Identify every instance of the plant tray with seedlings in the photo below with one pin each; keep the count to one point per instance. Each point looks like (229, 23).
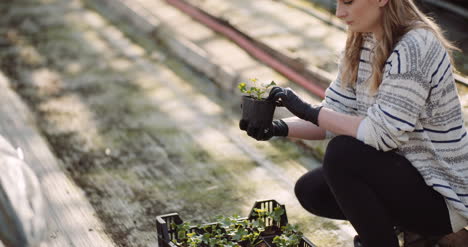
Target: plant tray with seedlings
(266, 226)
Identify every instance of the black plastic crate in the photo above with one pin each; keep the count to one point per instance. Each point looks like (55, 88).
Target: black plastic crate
(167, 232)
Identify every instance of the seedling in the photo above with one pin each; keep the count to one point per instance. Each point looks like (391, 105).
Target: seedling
(235, 231)
(255, 91)
(291, 237)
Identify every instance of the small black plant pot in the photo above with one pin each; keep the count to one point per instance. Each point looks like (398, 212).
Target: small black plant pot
(259, 112)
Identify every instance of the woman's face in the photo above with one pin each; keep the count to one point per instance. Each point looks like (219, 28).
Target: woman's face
(361, 15)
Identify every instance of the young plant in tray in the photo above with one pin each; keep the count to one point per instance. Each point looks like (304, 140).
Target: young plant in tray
(235, 231)
(266, 226)
(291, 236)
(255, 108)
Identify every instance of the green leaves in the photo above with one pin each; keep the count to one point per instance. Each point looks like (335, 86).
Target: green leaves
(235, 231)
(291, 237)
(277, 213)
(254, 91)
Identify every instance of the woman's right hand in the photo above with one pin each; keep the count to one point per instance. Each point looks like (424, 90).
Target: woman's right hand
(264, 133)
(288, 98)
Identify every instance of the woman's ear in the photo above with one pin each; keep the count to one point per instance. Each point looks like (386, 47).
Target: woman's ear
(382, 2)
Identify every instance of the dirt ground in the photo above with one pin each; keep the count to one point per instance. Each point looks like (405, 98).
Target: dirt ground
(138, 131)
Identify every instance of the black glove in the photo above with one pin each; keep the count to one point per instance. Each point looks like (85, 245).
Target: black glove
(276, 128)
(288, 98)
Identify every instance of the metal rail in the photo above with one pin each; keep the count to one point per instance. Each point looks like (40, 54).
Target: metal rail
(249, 45)
(261, 51)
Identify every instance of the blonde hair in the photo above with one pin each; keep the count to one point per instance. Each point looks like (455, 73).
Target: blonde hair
(398, 17)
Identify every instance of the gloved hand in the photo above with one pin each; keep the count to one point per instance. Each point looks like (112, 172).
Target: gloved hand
(288, 98)
(263, 133)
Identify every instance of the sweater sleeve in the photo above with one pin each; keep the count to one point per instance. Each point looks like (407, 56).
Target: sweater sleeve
(339, 98)
(401, 96)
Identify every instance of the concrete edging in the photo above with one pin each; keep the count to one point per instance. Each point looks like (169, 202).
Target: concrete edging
(70, 218)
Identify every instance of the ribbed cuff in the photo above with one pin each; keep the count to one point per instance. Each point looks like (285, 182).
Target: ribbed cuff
(315, 114)
(280, 128)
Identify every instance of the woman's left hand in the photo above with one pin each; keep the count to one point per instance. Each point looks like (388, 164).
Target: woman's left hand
(288, 98)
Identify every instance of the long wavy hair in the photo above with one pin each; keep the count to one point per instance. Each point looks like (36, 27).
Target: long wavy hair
(398, 17)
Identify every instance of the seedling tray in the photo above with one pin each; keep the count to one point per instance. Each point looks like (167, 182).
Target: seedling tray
(166, 231)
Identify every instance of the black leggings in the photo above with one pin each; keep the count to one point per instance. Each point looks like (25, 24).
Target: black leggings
(376, 191)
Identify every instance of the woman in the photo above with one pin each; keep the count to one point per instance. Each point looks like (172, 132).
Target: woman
(399, 156)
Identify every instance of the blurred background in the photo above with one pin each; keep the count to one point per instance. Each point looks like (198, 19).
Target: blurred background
(451, 15)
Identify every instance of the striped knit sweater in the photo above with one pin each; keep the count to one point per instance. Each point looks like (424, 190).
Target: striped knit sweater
(416, 112)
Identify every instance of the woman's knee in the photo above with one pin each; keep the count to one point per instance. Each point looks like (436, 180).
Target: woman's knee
(306, 197)
(308, 183)
(301, 187)
(313, 193)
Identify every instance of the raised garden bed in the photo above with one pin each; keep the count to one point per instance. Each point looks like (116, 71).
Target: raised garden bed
(266, 226)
